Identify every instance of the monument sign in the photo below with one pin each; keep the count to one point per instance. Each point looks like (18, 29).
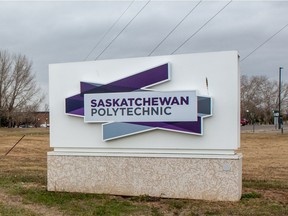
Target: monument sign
(162, 126)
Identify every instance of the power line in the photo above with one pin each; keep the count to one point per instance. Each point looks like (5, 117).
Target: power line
(201, 27)
(175, 27)
(264, 42)
(122, 30)
(111, 27)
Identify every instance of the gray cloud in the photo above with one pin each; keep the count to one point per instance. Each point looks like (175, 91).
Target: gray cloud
(53, 32)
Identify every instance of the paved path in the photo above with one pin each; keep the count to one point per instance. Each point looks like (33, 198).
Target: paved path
(263, 128)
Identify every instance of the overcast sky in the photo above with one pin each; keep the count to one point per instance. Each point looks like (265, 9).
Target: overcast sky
(67, 31)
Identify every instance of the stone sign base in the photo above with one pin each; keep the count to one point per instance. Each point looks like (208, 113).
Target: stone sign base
(206, 177)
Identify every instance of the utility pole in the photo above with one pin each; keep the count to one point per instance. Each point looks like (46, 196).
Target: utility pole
(279, 98)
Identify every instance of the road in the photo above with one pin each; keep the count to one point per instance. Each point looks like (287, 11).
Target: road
(260, 128)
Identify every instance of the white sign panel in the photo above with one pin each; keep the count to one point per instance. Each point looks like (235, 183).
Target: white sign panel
(215, 77)
(143, 106)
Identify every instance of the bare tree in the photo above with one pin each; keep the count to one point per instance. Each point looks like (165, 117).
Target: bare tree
(18, 88)
(5, 82)
(284, 101)
(268, 100)
(251, 97)
(259, 96)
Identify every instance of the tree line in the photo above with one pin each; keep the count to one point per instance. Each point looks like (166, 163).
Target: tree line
(20, 95)
(259, 99)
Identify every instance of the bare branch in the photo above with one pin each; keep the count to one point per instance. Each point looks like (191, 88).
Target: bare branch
(18, 88)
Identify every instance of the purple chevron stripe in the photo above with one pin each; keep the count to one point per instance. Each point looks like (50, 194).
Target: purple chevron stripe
(135, 82)
(127, 84)
(84, 86)
(189, 127)
(78, 112)
(74, 103)
(144, 79)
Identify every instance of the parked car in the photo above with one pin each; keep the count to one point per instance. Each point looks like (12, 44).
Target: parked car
(44, 125)
(244, 122)
(25, 126)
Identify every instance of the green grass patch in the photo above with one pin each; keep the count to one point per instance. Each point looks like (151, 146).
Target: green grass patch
(6, 210)
(32, 188)
(251, 195)
(215, 212)
(144, 198)
(79, 203)
(265, 184)
(11, 179)
(156, 212)
(175, 203)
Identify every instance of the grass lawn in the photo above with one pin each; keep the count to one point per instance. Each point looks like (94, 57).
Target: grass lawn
(23, 183)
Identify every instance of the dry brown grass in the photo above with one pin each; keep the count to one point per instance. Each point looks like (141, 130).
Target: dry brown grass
(29, 154)
(265, 156)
